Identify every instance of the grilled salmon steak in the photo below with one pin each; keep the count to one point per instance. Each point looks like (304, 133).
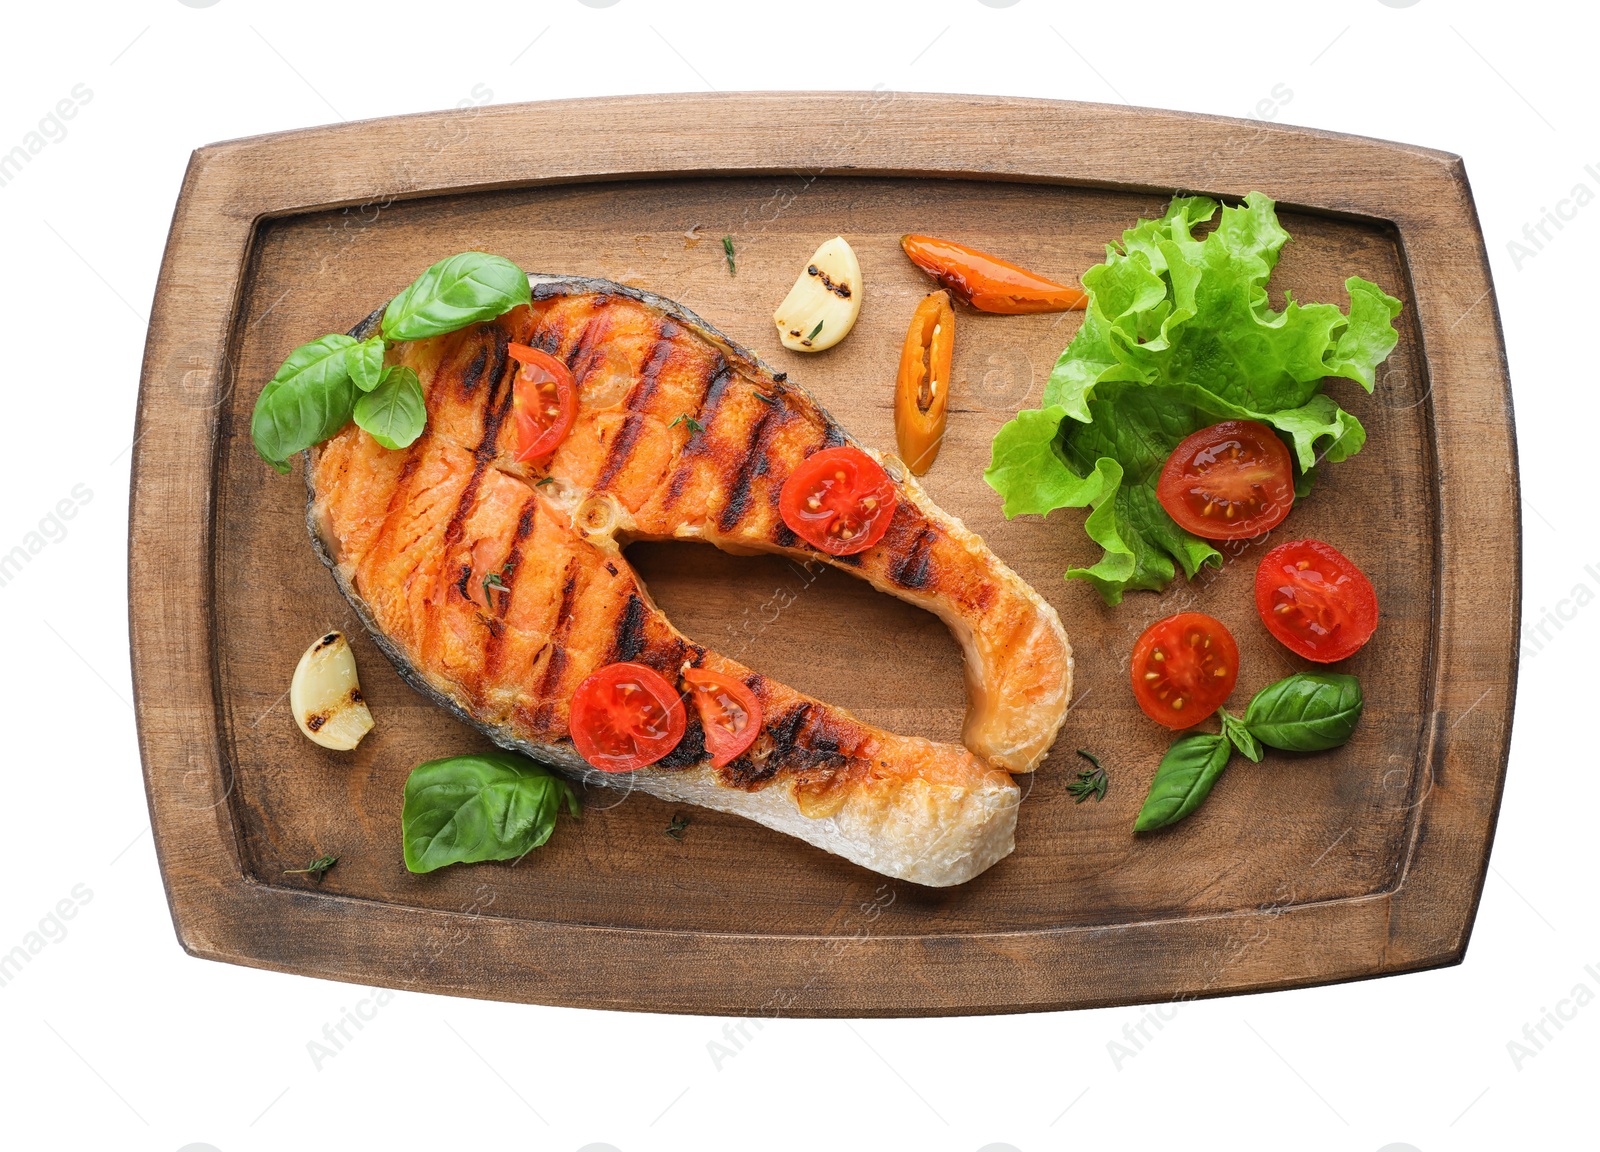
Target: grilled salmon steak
(497, 586)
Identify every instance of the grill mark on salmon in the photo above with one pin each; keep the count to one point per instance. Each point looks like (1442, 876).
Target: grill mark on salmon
(556, 666)
(715, 384)
(804, 744)
(639, 397)
(564, 612)
(583, 347)
(499, 604)
(487, 362)
(464, 582)
(649, 377)
(474, 372)
(691, 749)
(650, 374)
(546, 340)
(716, 387)
(494, 413)
(629, 639)
(621, 449)
(750, 465)
(910, 570)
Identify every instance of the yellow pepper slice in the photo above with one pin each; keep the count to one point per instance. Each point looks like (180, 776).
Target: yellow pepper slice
(922, 388)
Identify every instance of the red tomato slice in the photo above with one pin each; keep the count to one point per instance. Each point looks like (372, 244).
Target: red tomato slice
(1228, 481)
(839, 500)
(545, 402)
(626, 716)
(1183, 668)
(1315, 600)
(729, 713)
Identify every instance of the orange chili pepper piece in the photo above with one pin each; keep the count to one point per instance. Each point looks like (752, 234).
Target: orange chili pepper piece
(987, 282)
(922, 389)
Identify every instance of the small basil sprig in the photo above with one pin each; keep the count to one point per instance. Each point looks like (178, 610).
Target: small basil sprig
(327, 382)
(1240, 736)
(486, 806)
(1306, 712)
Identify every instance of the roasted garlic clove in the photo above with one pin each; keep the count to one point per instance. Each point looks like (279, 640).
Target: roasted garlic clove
(823, 305)
(325, 695)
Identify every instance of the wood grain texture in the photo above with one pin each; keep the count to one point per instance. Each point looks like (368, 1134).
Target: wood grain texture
(1300, 870)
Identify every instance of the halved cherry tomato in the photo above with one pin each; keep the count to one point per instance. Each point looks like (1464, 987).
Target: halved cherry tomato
(1183, 668)
(987, 282)
(545, 401)
(729, 713)
(626, 716)
(922, 388)
(1228, 481)
(839, 500)
(1315, 600)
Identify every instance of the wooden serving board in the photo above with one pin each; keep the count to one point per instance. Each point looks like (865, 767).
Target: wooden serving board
(1360, 862)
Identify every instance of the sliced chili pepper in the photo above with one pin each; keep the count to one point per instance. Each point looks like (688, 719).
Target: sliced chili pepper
(922, 389)
(987, 282)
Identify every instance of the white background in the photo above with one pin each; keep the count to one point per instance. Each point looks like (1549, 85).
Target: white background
(113, 1038)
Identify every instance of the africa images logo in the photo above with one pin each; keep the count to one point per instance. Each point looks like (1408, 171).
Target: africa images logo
(52, 129)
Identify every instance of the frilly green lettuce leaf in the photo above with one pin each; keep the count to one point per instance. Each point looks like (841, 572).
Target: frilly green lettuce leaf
(1179, 334)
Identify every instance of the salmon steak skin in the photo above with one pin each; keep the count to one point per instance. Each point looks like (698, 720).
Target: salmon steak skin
(414, 536)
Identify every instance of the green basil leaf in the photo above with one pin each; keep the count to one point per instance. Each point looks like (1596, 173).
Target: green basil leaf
(455, 292)
(488, 806)
(1187, 772)
(366, 363)
(309, 399)
(394, 413)
(1233, 728)
(1306, 712)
